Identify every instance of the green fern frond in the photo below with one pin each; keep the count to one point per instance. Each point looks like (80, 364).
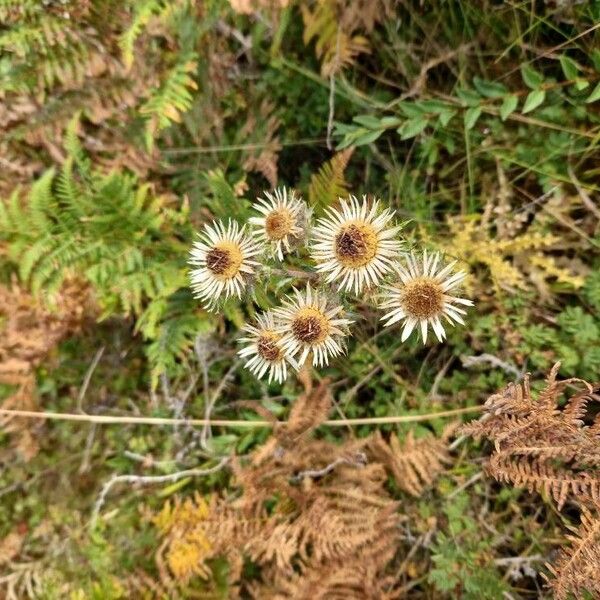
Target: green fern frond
(335, 48)
(33, 255)
(63, 67)
(41, 201)
(74, 148)
(144, 11)
(171, 99)
(66, 188)
(16, 10)
(116, 234)
(579, 324)
(73, 224)
(44, 52)
(328, 184)
(591, 362)
(172, 324)
(591, 289)
(37, 36)
(175, 337)
(223, 201)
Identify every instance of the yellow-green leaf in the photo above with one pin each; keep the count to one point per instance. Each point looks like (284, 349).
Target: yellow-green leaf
(534, 99)
(509, 105)
(595, 95)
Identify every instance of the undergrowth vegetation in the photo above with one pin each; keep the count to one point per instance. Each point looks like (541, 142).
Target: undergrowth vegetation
(128, 127)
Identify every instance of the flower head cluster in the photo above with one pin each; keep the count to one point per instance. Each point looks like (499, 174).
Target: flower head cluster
(264, 349)
(355, 247)
(311, 323)
(224, 261)
(307, 323)
(283, 221)
(421, 297)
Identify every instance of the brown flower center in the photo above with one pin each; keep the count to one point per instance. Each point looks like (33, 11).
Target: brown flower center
(224, 260)
(423, 298)
(218, 260)
(356, 244)
(278, 224)
(310, 326)
(267, 346)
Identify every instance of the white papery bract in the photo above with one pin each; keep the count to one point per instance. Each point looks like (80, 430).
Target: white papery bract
(284, 221)
(265, 351)
(422, 296)
(355, 244)
(310, 323)
(223, 261)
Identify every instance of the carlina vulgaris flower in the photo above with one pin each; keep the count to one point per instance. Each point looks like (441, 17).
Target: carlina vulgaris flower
(356, 244)
(423, 296)
(223, 262)
(283, 223)
(311, 322)
(264, 349)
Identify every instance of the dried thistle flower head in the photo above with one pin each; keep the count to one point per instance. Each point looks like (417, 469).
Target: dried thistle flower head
(421, 297)
(308, 324)
(354, 244)
(224, 262)
(284, 221)
(265, 350)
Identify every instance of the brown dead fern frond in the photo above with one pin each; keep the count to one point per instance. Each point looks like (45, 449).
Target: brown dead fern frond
(356, 576)
(313, 529)
(365, 14)
(260, 130)
(10, 546)
(28, 333)
(576, 569)
(537, 475)
(556, 452)
(309, 410)
(197, 530)
(415, 464)
(539, 446)
(337, 43)
(315, 518)
(246, 7)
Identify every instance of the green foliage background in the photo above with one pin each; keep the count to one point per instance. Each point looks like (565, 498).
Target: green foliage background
(127, 125)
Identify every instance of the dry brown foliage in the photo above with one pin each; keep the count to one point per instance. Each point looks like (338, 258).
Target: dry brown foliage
(365, 14)
(335, 46)
(540, 447)
(92, 79)
(28, 333)
(417, 463)
(247, 7)
(554, 451)
(316, 517)
(10, 546)
(261, 130)
(576, 568)
(337, 27)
